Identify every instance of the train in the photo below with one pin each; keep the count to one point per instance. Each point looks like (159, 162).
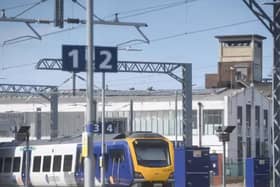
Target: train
(139, 159)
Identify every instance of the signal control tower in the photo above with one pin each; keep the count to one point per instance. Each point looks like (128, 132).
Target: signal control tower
(240, 61)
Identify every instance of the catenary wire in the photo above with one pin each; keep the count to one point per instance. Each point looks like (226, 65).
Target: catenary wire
(154, 10)
(19, 6)
(31, 7)
(198, 31)
(157, 39)
(141, 11)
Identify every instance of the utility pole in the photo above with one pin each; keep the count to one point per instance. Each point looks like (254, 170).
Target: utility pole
(200, 123)
(102, 169)
(176, 118)
(130, 125)
(274, 29)
(88, 160)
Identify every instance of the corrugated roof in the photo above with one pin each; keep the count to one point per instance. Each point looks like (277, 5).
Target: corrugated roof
(124, 95)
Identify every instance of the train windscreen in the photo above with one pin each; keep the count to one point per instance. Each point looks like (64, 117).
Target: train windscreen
(152, 153)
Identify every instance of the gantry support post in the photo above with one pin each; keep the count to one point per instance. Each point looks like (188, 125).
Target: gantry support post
(274, 27)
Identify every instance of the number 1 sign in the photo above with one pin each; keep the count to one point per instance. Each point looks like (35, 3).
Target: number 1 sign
(73, 57)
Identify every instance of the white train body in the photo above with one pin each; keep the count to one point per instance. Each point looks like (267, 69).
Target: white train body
(50, 165)
(129, 161)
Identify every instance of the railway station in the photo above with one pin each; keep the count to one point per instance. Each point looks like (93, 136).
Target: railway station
(241, 104)
(222, 134)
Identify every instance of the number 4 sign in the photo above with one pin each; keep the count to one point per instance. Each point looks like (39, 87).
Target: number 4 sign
(109, 128)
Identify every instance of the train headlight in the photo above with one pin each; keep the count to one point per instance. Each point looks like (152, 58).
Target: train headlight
(171, 176)
(138, 175)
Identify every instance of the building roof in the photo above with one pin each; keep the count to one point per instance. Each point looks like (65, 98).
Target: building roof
(264, 88)
(58, 140)
(236, 37)
(66, 96)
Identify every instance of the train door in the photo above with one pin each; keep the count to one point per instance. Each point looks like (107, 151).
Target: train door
(68, 169)
(41, 167)
(56, 169)
(47, 173)
(36, 175)
(6, 175)
(26, 161)
(118, 170)
(79, 168)
(62, 169)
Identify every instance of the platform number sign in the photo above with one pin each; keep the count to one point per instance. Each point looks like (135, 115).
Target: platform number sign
(109, 127)
(106, 59)
(73, 58)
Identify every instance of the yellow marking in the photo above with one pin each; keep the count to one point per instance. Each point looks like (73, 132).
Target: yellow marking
(84, 145)
(152, 174)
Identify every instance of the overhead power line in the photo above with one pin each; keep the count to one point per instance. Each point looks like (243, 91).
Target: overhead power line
(31, 7)
(84, 8)
(142, 11)
(20, 6)
(17, 66)
(156, 39)
(199, 31)
(150, 9)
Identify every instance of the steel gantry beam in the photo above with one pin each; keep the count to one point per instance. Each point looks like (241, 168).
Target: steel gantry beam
(28, 89)
(151, 67)
(274, 27)
(123, 66)
(261, 14)
(48, 92)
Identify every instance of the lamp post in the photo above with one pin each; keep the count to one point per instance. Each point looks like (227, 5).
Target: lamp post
(223, 134)
(200, 122)
(102, 169)
(231, 76)
(176, 119)
(244, 161)
(23, 135)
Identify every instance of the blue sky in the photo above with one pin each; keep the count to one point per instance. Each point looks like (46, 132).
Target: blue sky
(195, 17)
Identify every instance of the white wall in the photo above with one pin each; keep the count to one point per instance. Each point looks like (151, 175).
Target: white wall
(227, 103)
(252, 97)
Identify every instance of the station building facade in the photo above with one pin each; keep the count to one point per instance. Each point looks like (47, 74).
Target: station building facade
(246, 108)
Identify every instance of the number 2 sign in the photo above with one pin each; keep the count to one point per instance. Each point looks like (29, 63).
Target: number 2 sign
(106, 59)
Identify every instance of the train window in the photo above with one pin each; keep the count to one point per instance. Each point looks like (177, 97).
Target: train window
(36, 164)
(67, 165)
(106, 160)
(7, 164)
(153, 153)
(57, 163)
(47, 163)
(80, 164)
(117, 154)
(1, 164)
(16, 165)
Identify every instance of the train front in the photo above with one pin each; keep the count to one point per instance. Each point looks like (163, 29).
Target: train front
(153, 160)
